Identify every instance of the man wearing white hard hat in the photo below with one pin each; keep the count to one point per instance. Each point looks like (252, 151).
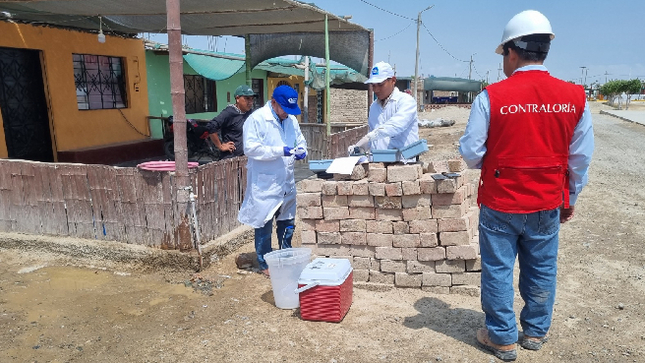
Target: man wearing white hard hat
(531, 136)
(392, 120)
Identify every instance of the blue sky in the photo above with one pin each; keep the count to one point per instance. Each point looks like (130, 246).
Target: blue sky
(606, 37)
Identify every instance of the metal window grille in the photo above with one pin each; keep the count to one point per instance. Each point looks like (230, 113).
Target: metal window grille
(258, 88)
(200, 94)
(100, 82)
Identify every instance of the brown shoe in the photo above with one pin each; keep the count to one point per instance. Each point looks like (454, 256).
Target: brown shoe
(532, 343)
(506, 353)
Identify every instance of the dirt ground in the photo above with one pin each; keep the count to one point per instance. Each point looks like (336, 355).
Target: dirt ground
(53, 309)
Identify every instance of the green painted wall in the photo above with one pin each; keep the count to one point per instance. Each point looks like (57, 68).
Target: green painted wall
(160, 103)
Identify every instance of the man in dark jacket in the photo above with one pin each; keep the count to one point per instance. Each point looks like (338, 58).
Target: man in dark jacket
(229, 123)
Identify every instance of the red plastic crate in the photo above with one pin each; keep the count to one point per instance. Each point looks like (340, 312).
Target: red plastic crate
(330, 299)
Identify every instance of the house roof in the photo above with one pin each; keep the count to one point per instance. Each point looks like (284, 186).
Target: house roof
(276, 27)
(220, 66)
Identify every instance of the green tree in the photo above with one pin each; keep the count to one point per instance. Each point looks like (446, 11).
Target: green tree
(614, 89)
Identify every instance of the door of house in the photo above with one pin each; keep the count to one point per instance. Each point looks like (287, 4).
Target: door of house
(23, 105)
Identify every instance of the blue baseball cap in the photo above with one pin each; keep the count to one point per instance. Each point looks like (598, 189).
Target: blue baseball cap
(287, 98)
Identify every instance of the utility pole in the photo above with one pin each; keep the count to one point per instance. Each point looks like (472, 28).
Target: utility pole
(470, 68)
(499, 72)
(416, 65)
(583, 74)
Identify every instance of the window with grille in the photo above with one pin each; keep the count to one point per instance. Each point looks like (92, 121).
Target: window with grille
(258, 88)
(200, 94)
(100, 82)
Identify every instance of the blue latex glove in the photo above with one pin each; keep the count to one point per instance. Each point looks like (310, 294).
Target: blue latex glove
(288, 151)
(300, 153)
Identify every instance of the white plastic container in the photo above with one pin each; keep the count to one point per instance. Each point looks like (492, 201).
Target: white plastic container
(285, 267)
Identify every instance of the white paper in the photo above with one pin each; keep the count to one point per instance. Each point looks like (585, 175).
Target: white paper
(343, 165)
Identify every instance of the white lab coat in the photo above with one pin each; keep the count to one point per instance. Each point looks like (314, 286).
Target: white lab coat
(270, 182)
(396, 123)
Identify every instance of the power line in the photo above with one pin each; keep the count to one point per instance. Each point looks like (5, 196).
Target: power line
(397, 33)
(441, 46)
(387, 11)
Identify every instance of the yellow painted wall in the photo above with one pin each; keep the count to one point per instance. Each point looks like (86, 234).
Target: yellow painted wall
(74, 128)
(296, 82)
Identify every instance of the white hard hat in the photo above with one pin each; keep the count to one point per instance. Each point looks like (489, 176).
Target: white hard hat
(525, 23)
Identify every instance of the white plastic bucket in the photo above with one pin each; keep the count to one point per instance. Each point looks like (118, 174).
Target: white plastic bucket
(285, 267)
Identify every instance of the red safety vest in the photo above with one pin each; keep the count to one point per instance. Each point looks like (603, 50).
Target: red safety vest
(525, 168)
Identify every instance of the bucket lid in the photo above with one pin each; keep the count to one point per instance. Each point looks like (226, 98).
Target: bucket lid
(326, 271)
(288, 256)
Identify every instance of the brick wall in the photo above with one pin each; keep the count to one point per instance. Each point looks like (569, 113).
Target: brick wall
(348, 106)
(402, 225)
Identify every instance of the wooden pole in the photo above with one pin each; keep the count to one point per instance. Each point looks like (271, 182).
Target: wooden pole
(327, 78)
(182, 235)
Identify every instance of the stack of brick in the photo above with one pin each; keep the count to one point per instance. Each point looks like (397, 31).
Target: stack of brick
(403, 225)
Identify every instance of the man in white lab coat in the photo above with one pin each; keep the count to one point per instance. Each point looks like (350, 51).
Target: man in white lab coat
(393, 121)
(272, 143)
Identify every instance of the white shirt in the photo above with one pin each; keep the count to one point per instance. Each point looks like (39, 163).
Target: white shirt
(395, 123)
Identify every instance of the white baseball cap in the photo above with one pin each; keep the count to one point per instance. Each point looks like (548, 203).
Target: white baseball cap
(380, 72)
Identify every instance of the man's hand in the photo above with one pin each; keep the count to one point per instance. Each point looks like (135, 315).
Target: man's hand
(288, 151)
(566, 214)
(363, 143)
(300, 153)
(229, 146)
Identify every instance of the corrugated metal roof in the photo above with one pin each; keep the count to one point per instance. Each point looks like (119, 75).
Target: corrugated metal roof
(266, 22)
(451, 84)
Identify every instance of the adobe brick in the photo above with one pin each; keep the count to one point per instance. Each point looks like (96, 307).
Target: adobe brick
(361, 187)
(399, 173)
(446, 185)
(345, 188)
(379, 239)
(417, 267)
(377, 175)
(310, 212)
(402, 279)
(406, 240)
(393, 189)
(377, 189)
(427, 184)
(327, 226)
(389, 214)
(439, 290)
(378, 277)
(466, 290)
(458, 197)
(309, 186)
(454, 266)
(361, 275)
(436, 279)
(454, 224)
(467, 278)
(361, 201)
(415, 201)
(361, 263)
(374, 226)
(411, 214)
(308, 237)
(449, 211)
(460, 238)
(330, 250)
(411, 187)
(474, 265)
(430, 253)
(461, 252)
(392, 266)
(423, 226)
(362, 251)
(308, 199)
(332, 213)
(334, 201)
(328, 238)
(409, 254)
(400, 227)
(388, 202)
(329, 188)
(353, 225)
(362, 213)
(456, 166)
(308, 224)
(428, 240)
(388, 253)
(353, 238)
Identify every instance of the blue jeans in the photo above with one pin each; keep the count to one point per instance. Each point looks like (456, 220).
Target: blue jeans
(284, 232)
(533, 238)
